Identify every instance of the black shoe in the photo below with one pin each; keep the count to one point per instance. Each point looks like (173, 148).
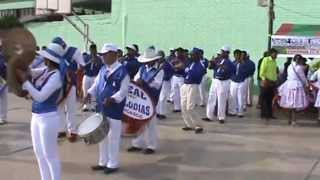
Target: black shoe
(240, 116)
(221, 121)
(85, 110)
(202, 105)
(97, 168)
(231, 115)
(176, 111)
(110, 170)
(273, 117)
(62, 134)
(168, 101)
(148, 151)
(134, 149)
(187, 128)
(159, 116)
(207, 119)
(198, 130)
(93, 110)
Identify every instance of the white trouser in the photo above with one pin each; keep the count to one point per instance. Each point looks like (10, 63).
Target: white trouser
(203, 91)
(189, 98)
(171, 90)
(236, 100)
(4, 104)
(249, 91)
(177, 82)
(219, 91)
(164, 94)
(148, 137)
(44, 132)
(87, 82)
(67, 112)
(109, 147)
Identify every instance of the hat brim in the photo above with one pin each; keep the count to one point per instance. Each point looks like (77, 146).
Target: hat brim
(142, 59)
(48, 56)
(102, 53)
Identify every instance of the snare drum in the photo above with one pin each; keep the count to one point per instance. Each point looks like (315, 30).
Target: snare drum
(94, 129)
(138, 111)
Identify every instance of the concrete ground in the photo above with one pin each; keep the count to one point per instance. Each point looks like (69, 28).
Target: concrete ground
(242, 149)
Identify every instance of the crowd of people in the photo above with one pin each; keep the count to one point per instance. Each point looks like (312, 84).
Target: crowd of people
(181, 78)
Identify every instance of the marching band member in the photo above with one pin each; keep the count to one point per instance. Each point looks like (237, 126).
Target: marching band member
(190, 92)
(219, 90)
(131, 62)
(166, 86)
(249, 81)
(45, 90)
(292, 91)
(203, 85)
(91, 70)
(179, 64)
(67, 109)
(237, 85)
(110, 89)
(150, 78)
(3, 90)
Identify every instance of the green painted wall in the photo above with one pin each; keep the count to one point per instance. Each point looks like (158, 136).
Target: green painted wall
(171, 23)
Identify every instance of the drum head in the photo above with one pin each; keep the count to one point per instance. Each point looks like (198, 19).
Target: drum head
(90, 124)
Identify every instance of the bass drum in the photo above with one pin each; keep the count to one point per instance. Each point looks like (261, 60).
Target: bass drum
(94, 129)
(138, 111)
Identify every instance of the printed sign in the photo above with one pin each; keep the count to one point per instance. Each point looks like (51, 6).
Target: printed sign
(139, 105)
(288, 46)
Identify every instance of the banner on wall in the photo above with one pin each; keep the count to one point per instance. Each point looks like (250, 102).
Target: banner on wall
(288, 46)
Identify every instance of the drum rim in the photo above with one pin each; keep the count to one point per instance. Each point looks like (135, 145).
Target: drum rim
(153, 103)
(104, 120)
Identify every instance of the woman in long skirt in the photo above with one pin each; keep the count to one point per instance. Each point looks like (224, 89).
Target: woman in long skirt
(292, 91)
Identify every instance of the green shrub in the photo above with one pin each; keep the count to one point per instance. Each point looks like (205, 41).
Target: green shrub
(8, 22)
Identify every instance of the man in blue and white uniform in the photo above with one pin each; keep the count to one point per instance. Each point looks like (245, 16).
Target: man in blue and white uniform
(249, 80)
(45, 89)
(150, 78)
(190, 92)
(166, 86)
(3, 90)
(91, 69)
(110, 89)
(131, 61)
(237, 86)
(67, 109)
(219, 91)
(179, 64)
(204, 82)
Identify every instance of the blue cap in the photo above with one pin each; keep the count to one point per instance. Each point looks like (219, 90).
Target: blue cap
(60, 41)
(195, 50)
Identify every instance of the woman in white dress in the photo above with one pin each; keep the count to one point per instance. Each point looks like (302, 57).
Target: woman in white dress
(315, 78)
(292, 91)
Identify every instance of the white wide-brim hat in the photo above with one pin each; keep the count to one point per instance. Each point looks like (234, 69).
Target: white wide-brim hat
(108, 47)
(226, 48)
(53, 52)
(149, 55)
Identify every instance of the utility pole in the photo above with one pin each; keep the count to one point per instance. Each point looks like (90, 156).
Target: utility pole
(271, 19)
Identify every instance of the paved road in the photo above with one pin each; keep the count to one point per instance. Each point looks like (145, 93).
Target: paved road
(242, 149)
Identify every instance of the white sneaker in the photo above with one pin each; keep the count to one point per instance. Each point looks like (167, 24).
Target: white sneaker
(3, 122)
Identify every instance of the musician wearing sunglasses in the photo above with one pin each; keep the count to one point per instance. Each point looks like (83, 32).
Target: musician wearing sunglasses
(110, 89)
(45, 87)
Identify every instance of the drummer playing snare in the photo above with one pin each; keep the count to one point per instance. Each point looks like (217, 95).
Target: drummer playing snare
(150, 78)
(110, 89)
